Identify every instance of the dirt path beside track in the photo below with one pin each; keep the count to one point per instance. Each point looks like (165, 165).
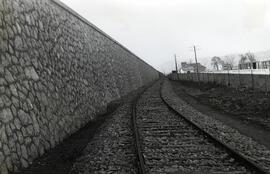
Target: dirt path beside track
(201, 100)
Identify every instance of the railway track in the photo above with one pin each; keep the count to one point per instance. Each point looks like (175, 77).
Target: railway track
(167, 142)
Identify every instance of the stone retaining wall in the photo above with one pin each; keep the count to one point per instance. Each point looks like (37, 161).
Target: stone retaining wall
(57, 72)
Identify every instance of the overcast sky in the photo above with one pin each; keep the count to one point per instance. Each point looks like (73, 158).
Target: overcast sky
(155, 30)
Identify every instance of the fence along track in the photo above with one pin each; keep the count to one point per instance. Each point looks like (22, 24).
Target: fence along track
(142, 168)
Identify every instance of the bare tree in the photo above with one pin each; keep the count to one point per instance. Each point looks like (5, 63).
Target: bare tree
(250, 56)
(229, 61)
(243, 59)
(247, 57)
(216, 62)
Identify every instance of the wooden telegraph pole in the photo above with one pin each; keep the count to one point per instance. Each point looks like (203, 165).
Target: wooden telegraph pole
(176, 68)
(197, 68)
(175, 61)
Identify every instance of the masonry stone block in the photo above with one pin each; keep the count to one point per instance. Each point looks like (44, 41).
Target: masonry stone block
(3, 169)
(31, 73)
(6, 115)
(6, 150)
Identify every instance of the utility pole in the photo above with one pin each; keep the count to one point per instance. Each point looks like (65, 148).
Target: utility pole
(195, 53)
(175, 61)
(179, 68)
(197, 69)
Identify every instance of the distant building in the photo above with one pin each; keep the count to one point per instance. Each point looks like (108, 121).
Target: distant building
(191, 67)
(227, 66)
(255, 65)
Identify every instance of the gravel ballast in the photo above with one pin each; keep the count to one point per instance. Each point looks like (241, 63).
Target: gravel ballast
(112, 150)
(254, 151)
(171, 145)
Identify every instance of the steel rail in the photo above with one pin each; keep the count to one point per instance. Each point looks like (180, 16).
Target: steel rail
(238, 156)
(139, 153)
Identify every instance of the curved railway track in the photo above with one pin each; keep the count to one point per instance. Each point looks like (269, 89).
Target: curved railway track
(167, 142)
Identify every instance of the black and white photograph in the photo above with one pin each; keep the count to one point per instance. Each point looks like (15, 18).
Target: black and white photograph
(134, 86)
